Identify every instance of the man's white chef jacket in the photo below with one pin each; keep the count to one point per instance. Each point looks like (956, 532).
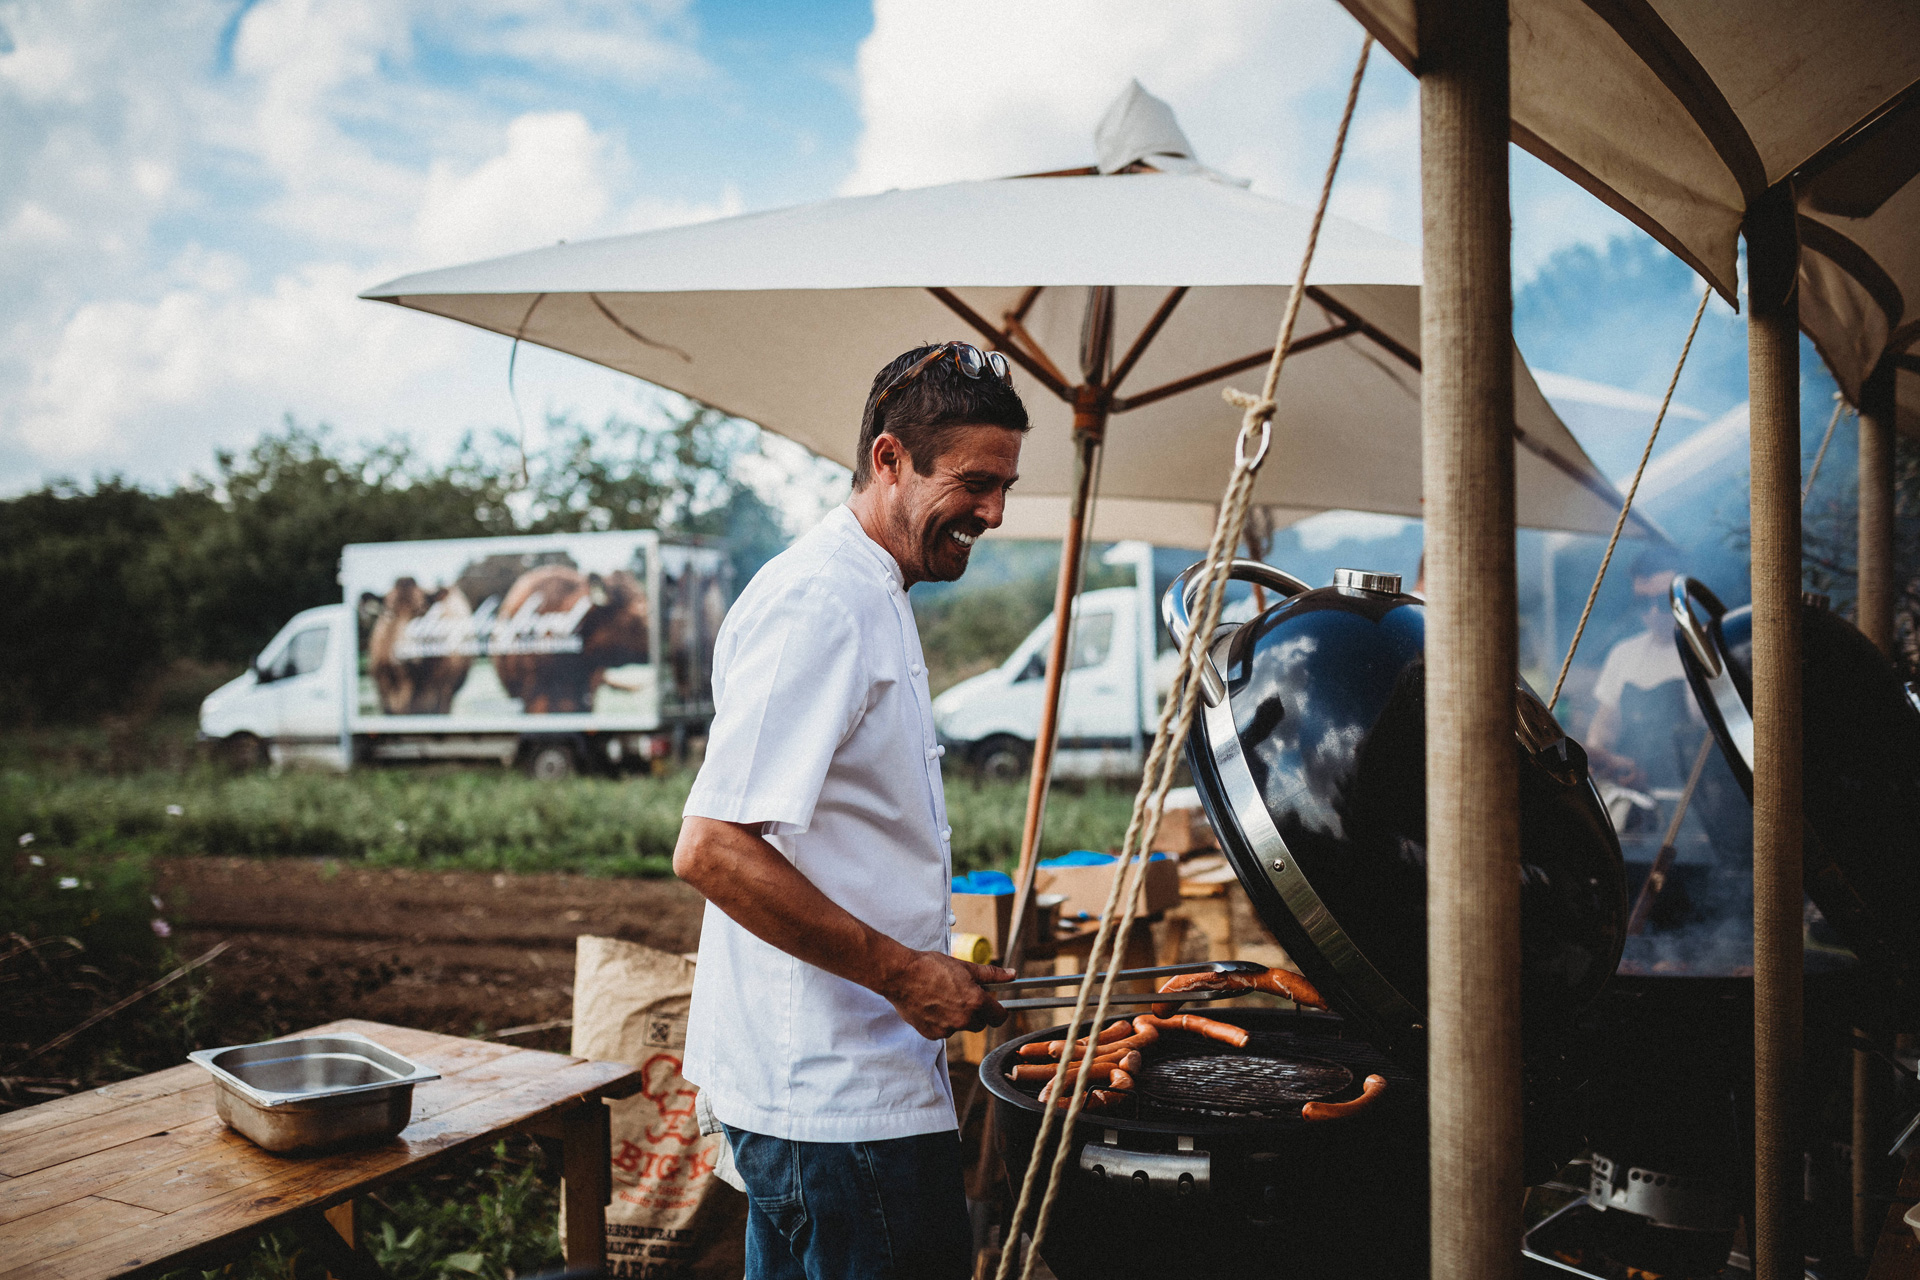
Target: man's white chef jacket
(823, 733)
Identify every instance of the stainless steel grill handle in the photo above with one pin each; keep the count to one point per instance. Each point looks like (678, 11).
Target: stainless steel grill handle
(1176, 610)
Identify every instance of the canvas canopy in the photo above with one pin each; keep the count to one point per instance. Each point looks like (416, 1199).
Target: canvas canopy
(1679, 115)
(1859, 219)
(783, 318)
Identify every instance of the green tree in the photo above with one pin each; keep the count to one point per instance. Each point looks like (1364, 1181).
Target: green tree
(109, 584)
(84, 620)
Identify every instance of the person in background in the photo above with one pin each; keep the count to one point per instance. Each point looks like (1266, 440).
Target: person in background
(1645, 729)
(817, 829)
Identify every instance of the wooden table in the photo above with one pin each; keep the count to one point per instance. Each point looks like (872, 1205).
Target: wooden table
(141, 1177)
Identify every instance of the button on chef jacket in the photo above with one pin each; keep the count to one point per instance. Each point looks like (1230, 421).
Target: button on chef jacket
(823, 735)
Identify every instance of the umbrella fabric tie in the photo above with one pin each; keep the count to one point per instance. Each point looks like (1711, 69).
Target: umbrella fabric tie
(1107, 956)
(1626, 506)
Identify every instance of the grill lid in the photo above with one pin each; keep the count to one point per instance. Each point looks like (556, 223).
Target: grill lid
(1860, 732)
(1310, 757)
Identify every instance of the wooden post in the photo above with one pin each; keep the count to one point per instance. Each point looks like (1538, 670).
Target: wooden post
(1873, 613)
(1473, 840)
(1773, 374)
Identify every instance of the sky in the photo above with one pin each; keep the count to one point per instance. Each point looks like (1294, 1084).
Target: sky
(196, 191)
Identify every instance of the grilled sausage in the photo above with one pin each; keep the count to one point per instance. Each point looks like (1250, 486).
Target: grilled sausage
(1102, 1071)
(1373, 1088)
(1054, 1048)
(1289, 985)
(1279, 982)
(1097, 1099)
(1224, 1032)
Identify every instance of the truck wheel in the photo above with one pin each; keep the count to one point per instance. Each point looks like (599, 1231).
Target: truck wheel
(243, 752)
(1004, 758)
(549, 762)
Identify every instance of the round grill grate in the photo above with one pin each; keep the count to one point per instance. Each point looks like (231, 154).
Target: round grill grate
(1238, 1085)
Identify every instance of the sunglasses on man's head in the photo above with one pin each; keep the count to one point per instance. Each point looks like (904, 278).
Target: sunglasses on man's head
(970, 359)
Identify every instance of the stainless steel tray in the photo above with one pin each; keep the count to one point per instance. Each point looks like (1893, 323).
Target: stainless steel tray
(313, 1091)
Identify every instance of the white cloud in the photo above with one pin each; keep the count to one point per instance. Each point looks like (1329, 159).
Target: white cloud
(317, 166)
(1330, 528)
(549, 183)
(1008, 87)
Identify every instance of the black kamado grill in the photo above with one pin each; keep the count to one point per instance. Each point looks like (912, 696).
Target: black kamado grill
(1309, 756)
(1670, 1105)
(1860, 730)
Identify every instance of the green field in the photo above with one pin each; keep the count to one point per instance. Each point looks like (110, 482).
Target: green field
(478, 818)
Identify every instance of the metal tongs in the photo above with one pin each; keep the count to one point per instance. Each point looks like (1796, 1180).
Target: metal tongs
(1246, 968)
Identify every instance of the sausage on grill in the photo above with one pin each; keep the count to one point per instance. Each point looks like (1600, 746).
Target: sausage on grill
(1224, 1032)
(1277, 982)
(1373, 1088)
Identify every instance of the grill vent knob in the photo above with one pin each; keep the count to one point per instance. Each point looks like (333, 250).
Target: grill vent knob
(1367, 580)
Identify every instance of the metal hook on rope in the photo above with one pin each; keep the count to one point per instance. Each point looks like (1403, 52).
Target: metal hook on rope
(1240, 458)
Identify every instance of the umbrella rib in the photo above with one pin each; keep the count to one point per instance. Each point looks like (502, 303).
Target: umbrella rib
(1393, 346)
(1001, 341)
(1331, 334)
(634, 333)
(1147, 335)
(1025, 304)
(1018, 332)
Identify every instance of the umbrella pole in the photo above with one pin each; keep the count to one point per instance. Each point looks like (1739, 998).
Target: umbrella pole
(1473, 839)
(1874, 614)
(1089, 429)
(1773, 371)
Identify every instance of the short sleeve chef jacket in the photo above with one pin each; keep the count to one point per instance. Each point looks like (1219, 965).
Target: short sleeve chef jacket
(823, 734)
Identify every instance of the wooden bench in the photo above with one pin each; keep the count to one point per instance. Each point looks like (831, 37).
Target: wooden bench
(140, 1177)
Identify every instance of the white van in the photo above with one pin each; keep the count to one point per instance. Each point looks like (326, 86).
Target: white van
(1111, 700)
(560, 652)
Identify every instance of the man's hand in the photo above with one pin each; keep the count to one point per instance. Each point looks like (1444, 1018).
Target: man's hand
(938, 995)
(747, 878)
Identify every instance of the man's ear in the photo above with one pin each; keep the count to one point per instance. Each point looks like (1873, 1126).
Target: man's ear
(889, 458)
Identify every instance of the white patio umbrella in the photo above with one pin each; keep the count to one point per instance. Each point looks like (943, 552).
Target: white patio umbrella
(1128, 296)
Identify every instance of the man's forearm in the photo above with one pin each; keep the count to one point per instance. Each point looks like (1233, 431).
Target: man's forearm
(763, 893)
(739, 872)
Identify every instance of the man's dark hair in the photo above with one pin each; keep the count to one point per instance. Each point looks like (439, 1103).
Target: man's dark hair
(923, 414)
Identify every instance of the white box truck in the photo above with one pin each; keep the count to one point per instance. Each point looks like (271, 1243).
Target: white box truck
(1117, 674)
(561, 652)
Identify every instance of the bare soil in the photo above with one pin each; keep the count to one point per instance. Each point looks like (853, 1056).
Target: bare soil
(459, 952)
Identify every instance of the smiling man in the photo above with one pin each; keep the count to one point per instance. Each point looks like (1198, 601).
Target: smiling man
(817, 830)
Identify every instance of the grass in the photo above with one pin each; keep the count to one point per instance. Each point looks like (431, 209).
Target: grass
(478, 819)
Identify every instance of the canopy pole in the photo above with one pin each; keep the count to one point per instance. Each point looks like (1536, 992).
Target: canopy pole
(1473, 839)
(1773, 372)
(1089, 430)
(1873, 613)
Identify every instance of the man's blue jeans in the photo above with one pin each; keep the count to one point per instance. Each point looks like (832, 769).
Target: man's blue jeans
(890, 1210)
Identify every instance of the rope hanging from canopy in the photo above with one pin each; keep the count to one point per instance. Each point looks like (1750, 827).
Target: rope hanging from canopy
(1107, 956)
(1626, 506)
